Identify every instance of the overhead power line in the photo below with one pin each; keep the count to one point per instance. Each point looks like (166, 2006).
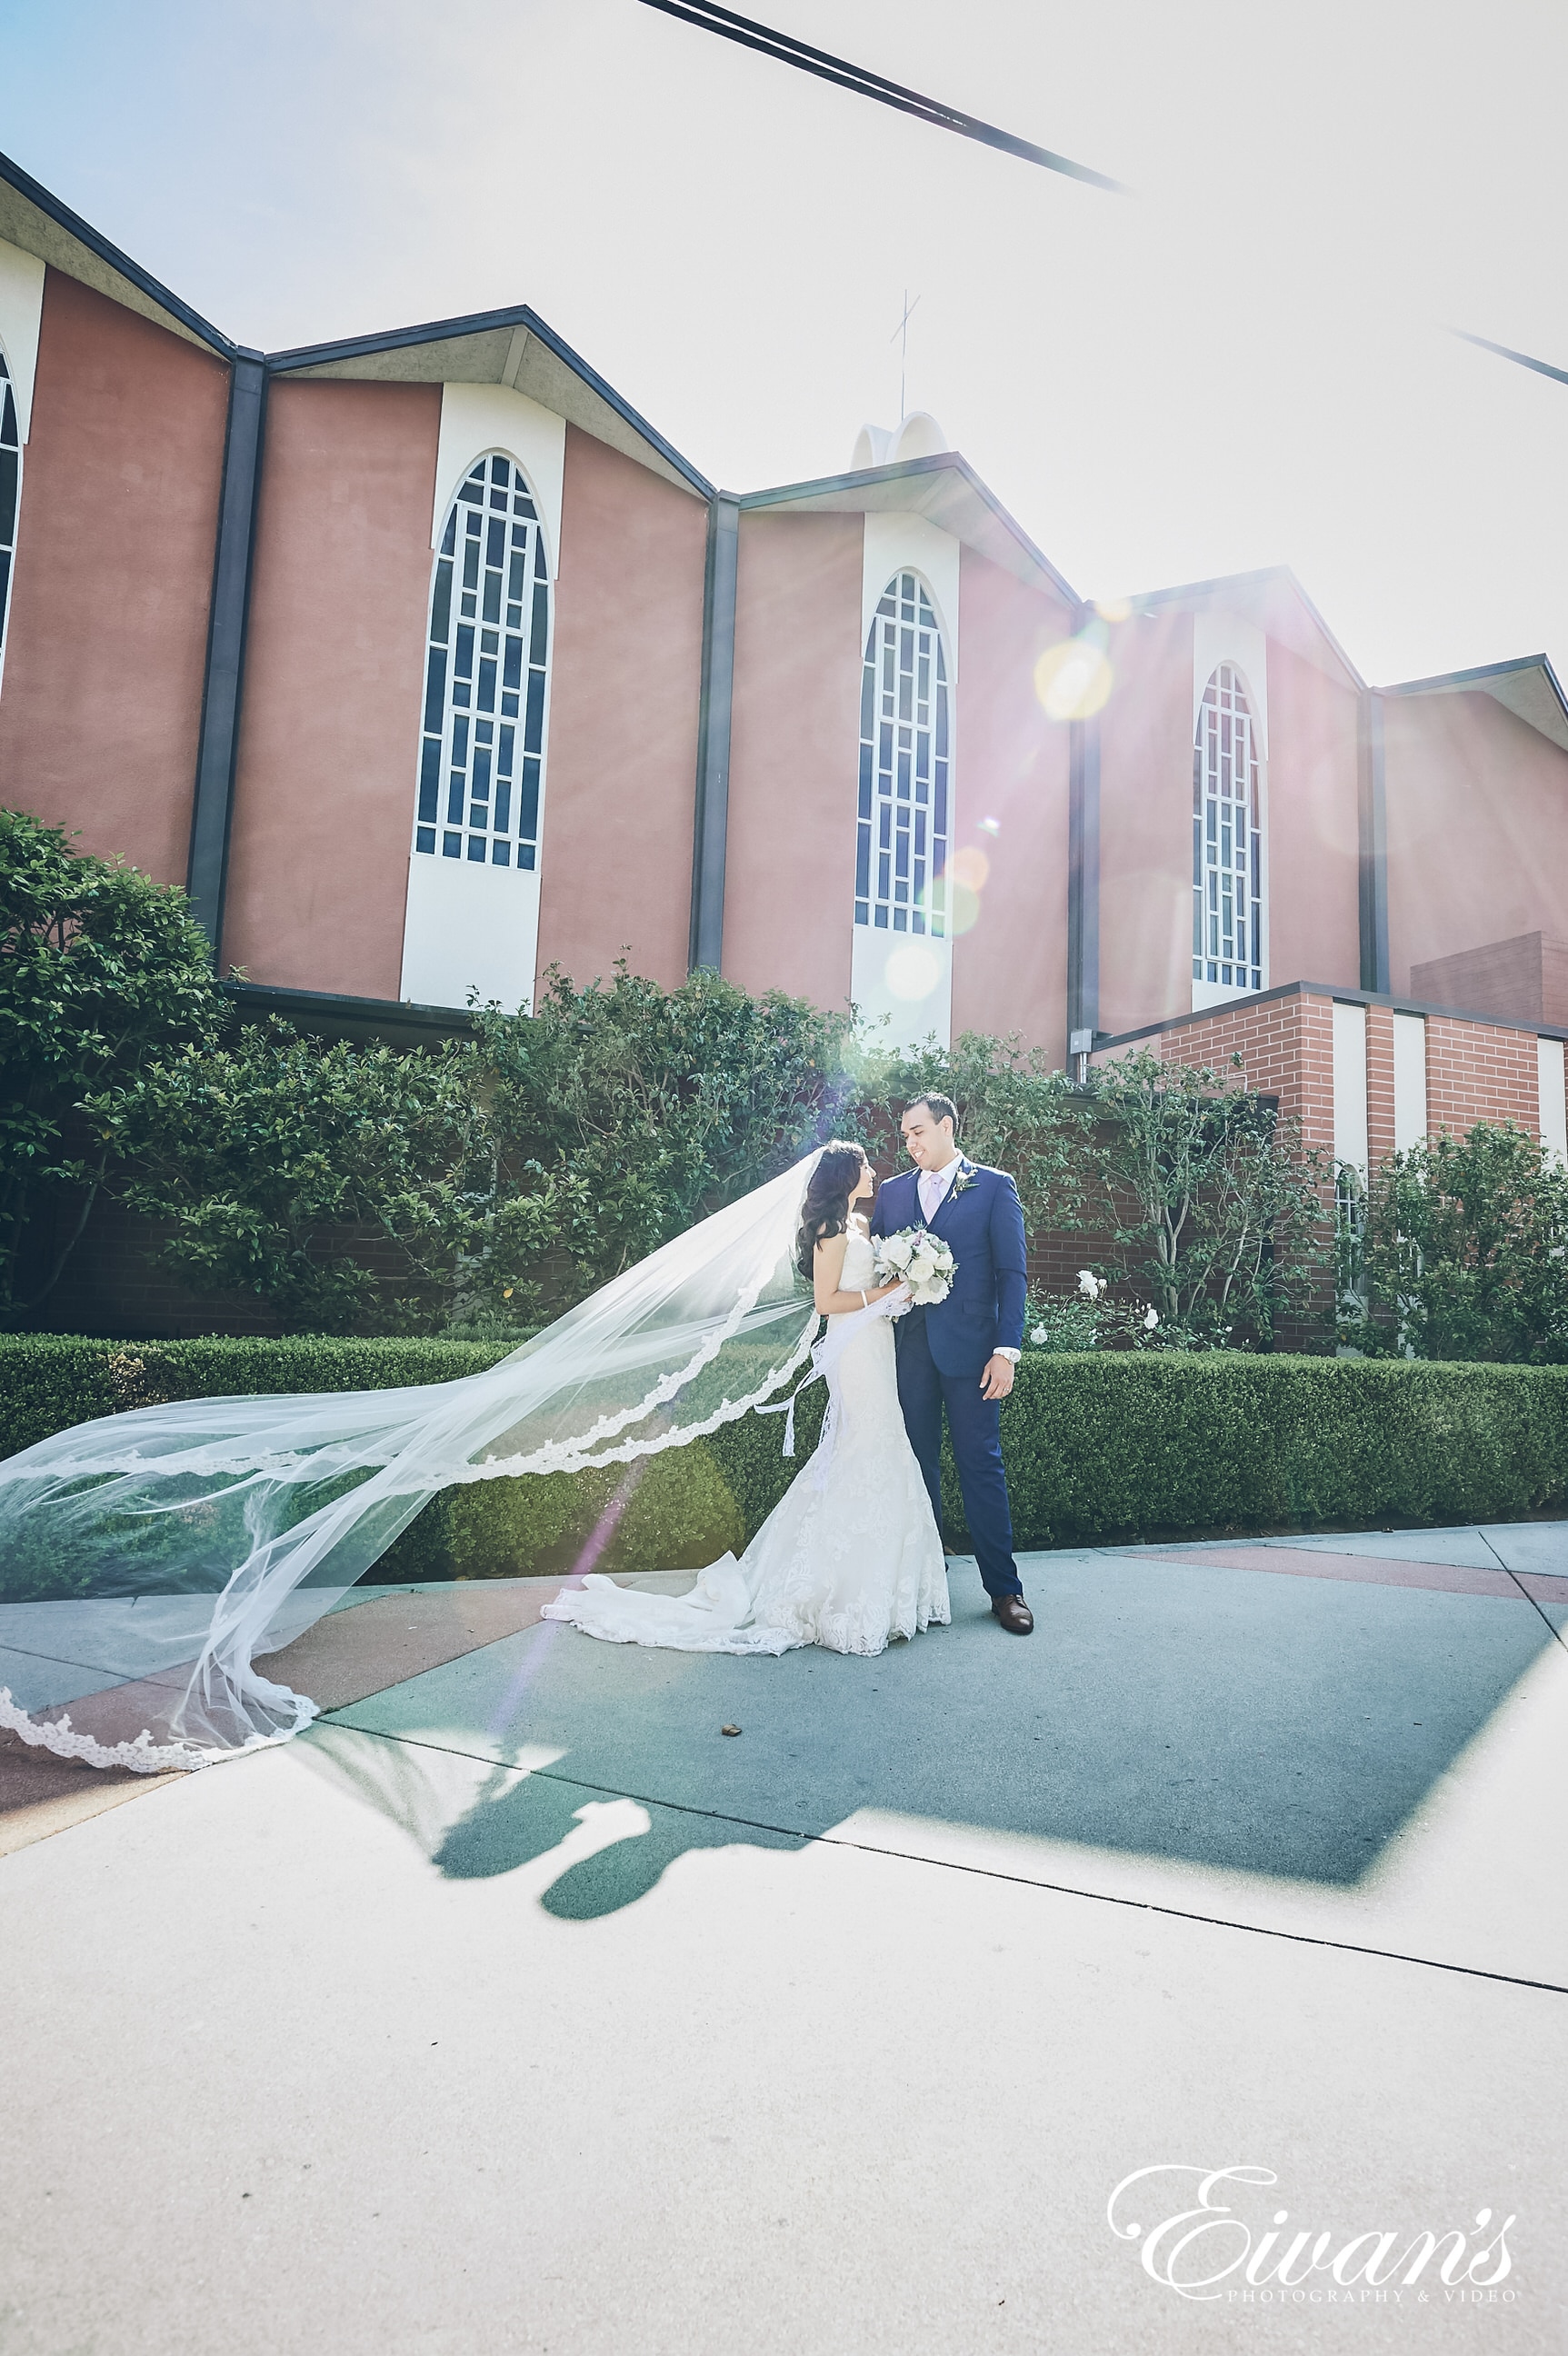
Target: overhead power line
(865, 84)
(1542, 367)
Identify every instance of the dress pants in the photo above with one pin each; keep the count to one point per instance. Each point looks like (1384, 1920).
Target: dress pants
(975, 1424)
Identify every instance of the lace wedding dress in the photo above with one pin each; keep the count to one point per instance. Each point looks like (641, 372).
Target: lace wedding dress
(848, 1558)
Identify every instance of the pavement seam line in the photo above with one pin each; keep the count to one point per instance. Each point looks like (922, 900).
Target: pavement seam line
(1555, 1633)
(986, 1872)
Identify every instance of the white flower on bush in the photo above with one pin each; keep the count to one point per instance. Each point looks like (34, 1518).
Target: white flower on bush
(1089, 1284)
(919, 1259)
(1151, 1319)
(1039, 1335)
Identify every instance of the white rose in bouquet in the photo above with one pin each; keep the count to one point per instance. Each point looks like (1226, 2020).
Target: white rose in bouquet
(919, 1259)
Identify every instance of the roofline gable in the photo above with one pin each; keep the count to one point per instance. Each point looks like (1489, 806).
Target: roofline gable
(1235, 586)
(1509, 683)
(39, 224)
(503, 351)
(856, 493)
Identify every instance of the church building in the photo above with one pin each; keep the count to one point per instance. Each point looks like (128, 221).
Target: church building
(425, 663)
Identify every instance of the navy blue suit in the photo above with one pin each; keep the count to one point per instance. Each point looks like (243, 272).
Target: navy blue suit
(942, 1351)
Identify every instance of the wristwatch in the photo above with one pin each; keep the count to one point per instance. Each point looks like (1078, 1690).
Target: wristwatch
(1012, 1356)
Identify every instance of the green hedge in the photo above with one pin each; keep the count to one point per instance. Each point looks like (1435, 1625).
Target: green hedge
(1100, 1448)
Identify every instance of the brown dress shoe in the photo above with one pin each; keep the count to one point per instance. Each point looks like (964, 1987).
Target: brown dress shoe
(1014, 1614)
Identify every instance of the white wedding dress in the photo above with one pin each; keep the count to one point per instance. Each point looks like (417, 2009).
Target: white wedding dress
(848, 1558)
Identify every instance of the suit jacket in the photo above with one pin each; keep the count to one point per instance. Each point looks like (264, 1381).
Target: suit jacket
(981, 1220)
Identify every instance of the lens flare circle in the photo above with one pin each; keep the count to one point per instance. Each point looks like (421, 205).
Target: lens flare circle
(970, 867)
(1073, 680)
(913, 970)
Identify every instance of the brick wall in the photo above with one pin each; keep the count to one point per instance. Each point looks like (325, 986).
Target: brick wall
(1477, 1071)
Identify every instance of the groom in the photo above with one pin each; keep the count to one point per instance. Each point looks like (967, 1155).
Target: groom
(961, 1354)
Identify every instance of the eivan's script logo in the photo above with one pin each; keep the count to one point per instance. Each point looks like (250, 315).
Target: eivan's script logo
(1205, 2248)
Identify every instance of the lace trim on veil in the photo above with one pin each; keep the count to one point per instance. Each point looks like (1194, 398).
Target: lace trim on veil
(143, 1757)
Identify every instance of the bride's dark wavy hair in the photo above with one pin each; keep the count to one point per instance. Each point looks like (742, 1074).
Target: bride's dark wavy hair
(825, 1211)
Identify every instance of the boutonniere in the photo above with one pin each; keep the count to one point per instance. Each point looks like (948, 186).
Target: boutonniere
(965, 1178)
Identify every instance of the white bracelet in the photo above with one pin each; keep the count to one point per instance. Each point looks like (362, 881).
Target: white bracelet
(864, 1303)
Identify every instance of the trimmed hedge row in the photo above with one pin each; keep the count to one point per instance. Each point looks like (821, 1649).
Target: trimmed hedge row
(1100, 1448)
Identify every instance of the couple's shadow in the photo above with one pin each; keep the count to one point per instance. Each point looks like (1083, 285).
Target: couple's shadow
(581, 1856)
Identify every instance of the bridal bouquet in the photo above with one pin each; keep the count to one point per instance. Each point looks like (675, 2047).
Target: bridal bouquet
(921, 1260)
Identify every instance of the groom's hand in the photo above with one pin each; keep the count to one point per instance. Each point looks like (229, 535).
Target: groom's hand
(997, 1380)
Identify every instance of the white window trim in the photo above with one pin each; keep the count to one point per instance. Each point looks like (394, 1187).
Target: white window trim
(478, 418)
(1206, 993)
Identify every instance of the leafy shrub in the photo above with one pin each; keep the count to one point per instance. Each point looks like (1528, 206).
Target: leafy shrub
(1460, 1251)
(1100, 1448)
(101, 971)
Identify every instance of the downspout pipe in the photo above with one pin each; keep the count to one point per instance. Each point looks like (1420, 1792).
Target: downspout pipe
(218, 745)
(1372, 866)
(1082, 882)
(717, 695)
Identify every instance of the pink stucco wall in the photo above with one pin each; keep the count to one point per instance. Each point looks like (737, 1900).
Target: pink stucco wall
(329, 731)
(794, 751)
(1145, 824)
(100, 707)
(1312, 860)
(1010, 970)
(1477, 826)
(616, 852)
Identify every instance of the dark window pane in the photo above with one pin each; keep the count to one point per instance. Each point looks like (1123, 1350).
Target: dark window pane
(441, 605)
(8, 430)
(861, 912)
(465, 652)
(517, 579)
(513, 675)
(903, 776)
(482, 785)
(487, 686)
(941, 724)
(498, 499)
(886, 762)
(471, 565)
(435, 689)
(460, 741)
(425, 839)
(492, 597)
(525, 854)
(495, 553)
(883, 883)
(940, 814)
(868, 700)
(476, 849)
(528, 806)
(541, 638)
(862, 862)
(451, 846)
(533, 729)
(489, 642)
(450, 541)
(503, 806)
(514, 617)
(865, 781)
(500, 470)
(522, 507)
(509, 706)
(500, 854)
(468, 605)
(480, 815)
(900, 920)
(503, 761)
(882, 917)
(429, 780)
(456, 790)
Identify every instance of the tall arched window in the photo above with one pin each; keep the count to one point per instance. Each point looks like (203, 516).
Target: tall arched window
(905, 792)
(482, 757)
(1227, 838)
(10, 491)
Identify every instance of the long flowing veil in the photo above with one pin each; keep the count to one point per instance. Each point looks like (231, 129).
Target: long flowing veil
(146, 1559)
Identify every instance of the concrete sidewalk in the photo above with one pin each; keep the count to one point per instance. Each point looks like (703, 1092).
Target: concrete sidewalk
(518, 2007)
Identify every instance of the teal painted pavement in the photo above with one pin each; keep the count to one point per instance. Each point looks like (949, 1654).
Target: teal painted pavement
(1280, 1725)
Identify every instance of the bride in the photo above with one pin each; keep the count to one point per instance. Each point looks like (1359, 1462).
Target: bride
(152, 1560)
(851, 1556)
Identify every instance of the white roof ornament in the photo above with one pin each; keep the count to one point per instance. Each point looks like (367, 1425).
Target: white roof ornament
(920, 436)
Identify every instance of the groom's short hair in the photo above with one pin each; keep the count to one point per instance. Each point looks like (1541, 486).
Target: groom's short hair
(940, 1108)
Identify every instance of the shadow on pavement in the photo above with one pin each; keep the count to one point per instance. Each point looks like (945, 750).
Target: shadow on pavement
(1282, 1726)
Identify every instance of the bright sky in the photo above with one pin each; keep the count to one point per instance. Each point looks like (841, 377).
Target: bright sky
(1244, 365)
